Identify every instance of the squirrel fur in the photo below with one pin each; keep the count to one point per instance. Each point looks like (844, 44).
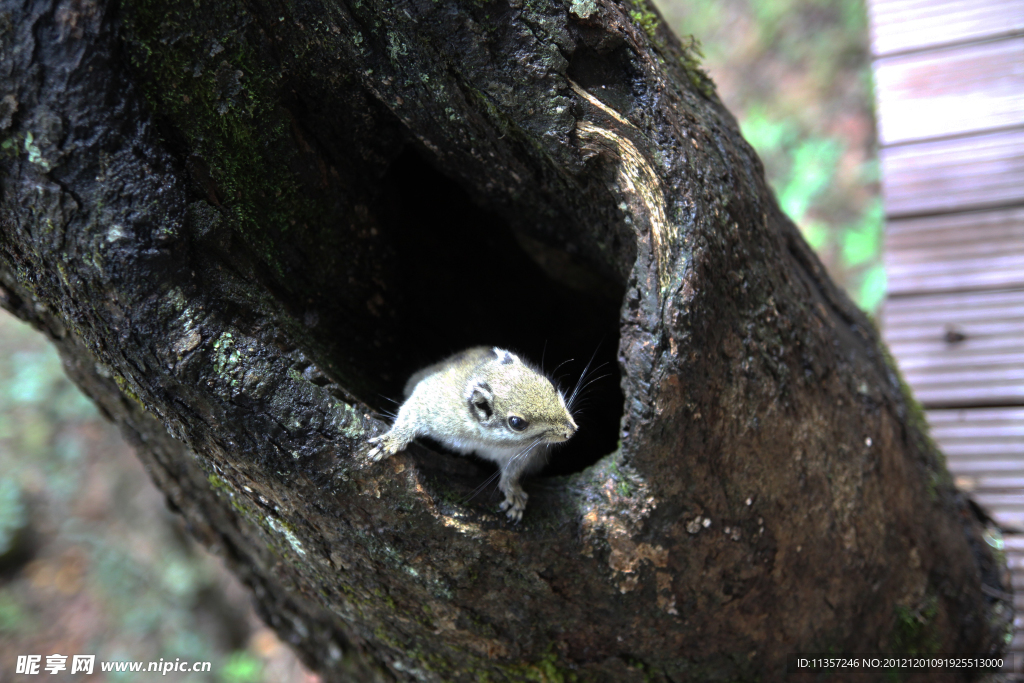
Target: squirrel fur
(484, 400)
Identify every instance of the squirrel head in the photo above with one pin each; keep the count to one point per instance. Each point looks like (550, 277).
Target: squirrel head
(516, 404)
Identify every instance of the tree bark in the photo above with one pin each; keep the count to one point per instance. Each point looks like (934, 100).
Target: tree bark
(245, 223)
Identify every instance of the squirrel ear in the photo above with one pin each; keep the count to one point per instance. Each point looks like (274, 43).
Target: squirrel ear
(504, 357)
(481, 402)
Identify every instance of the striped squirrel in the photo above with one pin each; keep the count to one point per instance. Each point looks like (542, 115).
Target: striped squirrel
(489, 402)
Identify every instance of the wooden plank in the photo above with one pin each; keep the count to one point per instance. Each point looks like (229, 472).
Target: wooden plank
(1012, 520)
(973, 250)
(957, 331)
(904, 25)
(941, 387)
(959, 392)
(980, 171)
(1005, 444)
(1000, 500)
(993, 468)
(963, 423)
(948, 369)
(991, 449)
(995, 306)
(946, 384)
(971, 467)
(953, 270)
(984, 450)
(961, 348)
(1016, 646)
(1013, 658)
(957, 90)
(973, 424)
(955, 230)
(982, 328)
(1017, 580)
(974, 354)
(989, 484)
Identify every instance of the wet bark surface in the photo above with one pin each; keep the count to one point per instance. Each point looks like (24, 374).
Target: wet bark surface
(245, 223)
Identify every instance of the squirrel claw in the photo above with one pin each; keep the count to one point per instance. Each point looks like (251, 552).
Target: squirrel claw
(514, 504)
(383, 447)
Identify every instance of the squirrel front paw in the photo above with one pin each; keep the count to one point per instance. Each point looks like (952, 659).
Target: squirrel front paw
(385, 445)
(515, 503)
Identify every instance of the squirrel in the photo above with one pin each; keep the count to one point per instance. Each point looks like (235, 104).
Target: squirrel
(489, 402)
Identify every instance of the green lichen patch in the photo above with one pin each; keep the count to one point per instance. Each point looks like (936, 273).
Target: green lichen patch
(35, 156)
(916, 631)
(127, 391)
(219, 485)
(547, 669)
(226, 356)
(583, 8)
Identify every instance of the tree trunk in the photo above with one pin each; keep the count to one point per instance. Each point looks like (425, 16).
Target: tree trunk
(244, 224)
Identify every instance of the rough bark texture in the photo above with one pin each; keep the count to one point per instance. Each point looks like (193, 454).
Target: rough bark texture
(243, 223)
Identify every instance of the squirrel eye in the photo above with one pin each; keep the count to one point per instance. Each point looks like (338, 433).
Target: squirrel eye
(517, 423)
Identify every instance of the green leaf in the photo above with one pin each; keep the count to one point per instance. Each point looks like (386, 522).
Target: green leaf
(872, 289)
(241, 667)
(862, 241)
(814, 167)
(815, 233)
(766, 135)
(859, 247)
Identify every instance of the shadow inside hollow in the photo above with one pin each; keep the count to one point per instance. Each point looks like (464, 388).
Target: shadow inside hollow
(468, 279)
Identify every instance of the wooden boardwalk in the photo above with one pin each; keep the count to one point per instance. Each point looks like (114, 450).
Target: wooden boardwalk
(949, 78)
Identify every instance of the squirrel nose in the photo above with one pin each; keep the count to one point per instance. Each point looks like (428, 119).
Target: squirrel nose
(570, 428)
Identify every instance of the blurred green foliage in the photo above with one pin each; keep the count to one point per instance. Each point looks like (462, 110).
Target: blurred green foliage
(13, 516)
(797, 75)
(242, 667)
(36, 401)
(13, 616)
